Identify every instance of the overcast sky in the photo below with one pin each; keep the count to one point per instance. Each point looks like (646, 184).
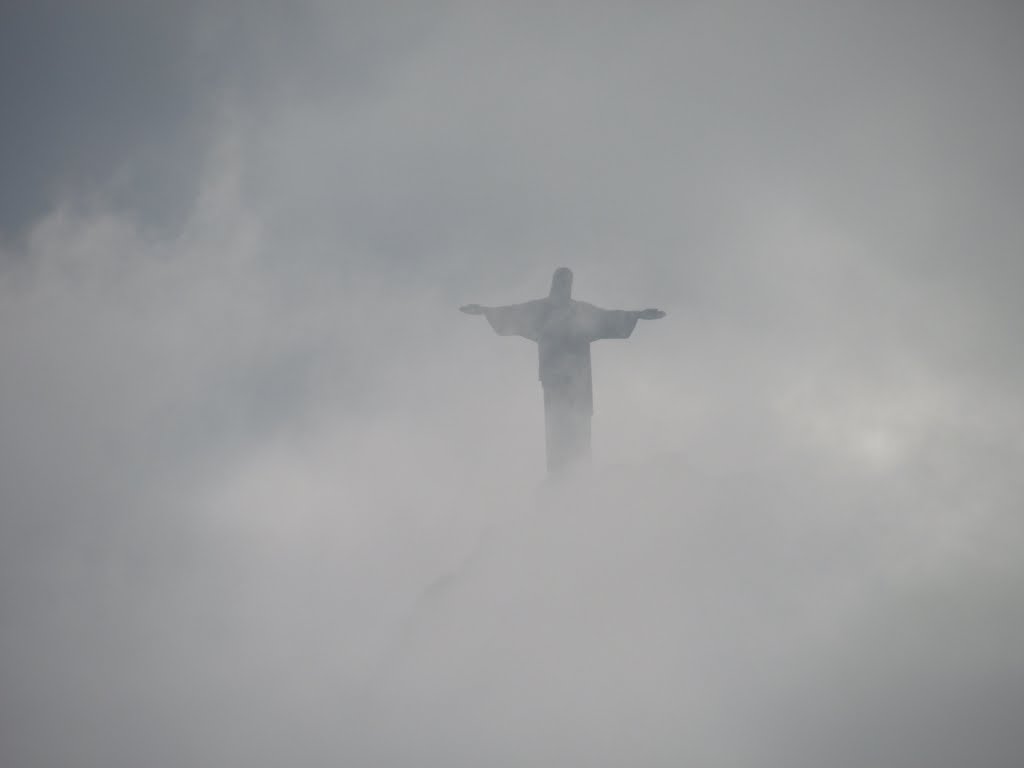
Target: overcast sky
(267, 498)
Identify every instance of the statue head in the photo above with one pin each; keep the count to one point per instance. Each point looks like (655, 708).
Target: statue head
(561, 284)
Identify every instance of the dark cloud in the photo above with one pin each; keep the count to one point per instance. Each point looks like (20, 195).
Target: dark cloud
(99, 98)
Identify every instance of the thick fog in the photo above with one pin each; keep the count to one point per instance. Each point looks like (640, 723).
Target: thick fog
(267, 498)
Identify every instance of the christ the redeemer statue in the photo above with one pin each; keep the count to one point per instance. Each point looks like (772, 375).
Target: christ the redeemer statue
(563, 329)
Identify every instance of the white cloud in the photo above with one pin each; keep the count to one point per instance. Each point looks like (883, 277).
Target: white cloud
(267, 498)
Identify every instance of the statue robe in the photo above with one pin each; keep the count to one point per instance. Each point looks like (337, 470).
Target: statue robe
(563, 331)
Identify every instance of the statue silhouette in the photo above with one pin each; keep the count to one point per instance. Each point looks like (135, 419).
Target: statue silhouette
(563, 329)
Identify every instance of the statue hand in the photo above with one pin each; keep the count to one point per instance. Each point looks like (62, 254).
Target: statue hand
(650, 314)
(472, 309)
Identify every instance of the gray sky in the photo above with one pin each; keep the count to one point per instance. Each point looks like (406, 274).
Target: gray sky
(266, 498)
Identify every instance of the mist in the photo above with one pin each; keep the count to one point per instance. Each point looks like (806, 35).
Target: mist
(268, 498)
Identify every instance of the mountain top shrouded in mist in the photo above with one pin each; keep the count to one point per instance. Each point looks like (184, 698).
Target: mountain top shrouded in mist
(653, 616)
(267, 498)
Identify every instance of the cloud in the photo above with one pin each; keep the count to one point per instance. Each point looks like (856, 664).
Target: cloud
(266, 497)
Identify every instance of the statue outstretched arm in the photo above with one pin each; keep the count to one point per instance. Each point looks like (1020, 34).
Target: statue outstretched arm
(513, 320)
(598, 323)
